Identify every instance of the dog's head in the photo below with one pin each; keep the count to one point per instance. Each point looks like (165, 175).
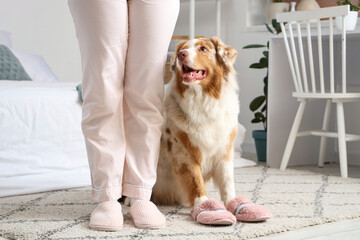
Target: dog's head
(205, 62)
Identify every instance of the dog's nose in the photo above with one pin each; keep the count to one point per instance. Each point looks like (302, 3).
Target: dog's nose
(182, 55)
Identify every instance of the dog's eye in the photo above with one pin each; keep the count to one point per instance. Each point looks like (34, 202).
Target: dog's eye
(203, 49)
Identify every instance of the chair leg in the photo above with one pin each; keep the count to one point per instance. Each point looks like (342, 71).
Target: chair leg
(341, 140)
(292, 136)
(325, 127)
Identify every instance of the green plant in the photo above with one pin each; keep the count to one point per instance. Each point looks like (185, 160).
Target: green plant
(259, 104)
(278, 0)
(353, 7)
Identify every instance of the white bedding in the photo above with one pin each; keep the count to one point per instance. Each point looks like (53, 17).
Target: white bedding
(41, 144)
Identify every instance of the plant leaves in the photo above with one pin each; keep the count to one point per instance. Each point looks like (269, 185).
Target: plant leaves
(254, 46)
(264, 60)
(352, 6)
(265, 80)
(269, 29)
(263, 63)
(273, 23)
(264, 108)
(266, 54)
(255, 120)
(260, 116)
(257, 102)
(258, 65)
(276, 26)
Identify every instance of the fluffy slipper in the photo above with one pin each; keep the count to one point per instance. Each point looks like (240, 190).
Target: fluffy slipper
(212, 212)
(246, 211)
(145, 214)
(107, 216)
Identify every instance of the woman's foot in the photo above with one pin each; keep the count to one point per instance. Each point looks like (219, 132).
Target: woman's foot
(107, 216)
(145, 214)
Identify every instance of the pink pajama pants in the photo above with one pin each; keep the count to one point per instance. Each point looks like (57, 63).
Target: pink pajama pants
(123, 46)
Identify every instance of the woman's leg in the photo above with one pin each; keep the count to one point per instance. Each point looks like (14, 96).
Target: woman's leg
(102, 31)
(151, 25)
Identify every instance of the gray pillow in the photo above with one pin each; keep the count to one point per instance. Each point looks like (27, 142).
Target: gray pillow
(10, 66)
(79, 88)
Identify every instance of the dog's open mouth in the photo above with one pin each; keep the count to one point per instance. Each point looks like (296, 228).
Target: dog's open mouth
(192, 75)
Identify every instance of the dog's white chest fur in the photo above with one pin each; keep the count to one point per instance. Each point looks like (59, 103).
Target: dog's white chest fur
(209, 121)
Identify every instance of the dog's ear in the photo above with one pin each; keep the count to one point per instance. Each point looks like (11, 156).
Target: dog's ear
(173, 58)
(226, 54)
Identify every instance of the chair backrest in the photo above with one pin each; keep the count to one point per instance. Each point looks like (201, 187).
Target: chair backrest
(305, 17)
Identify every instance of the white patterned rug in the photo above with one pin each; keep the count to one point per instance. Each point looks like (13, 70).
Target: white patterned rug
(298, 197)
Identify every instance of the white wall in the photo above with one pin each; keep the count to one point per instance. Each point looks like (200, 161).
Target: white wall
(46, 28)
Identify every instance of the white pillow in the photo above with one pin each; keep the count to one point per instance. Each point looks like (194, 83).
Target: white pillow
(5, 38)
(36, 67)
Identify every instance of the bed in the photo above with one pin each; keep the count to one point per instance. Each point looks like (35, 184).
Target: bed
(42, 147)
(41, 143)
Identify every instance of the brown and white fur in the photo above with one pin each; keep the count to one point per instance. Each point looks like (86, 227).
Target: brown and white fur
(201, 115)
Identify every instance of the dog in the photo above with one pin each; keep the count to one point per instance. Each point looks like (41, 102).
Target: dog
(201, 107)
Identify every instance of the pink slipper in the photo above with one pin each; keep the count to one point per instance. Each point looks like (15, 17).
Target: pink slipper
(212, 212)
(246, 211)
(107, 216)
(145, 214)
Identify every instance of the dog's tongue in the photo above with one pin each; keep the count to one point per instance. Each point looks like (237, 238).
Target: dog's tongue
(193, 76)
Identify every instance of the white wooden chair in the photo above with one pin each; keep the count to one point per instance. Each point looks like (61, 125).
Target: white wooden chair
(317, 88)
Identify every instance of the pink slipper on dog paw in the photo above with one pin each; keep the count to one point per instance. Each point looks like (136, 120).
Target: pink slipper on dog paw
(212, 212)
(246, 211)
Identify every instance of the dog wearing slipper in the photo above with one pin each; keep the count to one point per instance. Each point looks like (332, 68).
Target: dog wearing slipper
(200, 112)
